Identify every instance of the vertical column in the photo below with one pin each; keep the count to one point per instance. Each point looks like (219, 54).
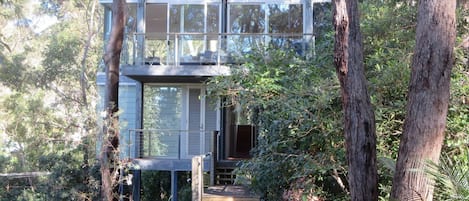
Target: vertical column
(213, 156)
(174, 185)
(139, 47)
(308, 29)
(138, 134)
(136, 185)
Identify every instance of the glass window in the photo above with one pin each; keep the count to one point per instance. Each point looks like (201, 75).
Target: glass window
(246, 18)
(192, 18)
(322, 18)
(213, 18)
(162, 107)
(285, 18)
(162, 116)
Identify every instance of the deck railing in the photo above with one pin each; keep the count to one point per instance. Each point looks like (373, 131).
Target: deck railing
(176, 49)
(168, 144)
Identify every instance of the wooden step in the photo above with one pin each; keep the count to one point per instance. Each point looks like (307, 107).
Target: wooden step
(228, 198)
(229, 193)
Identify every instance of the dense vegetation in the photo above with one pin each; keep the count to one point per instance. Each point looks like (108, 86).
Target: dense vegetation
(296, 107)
(47, 101)
(47, 106)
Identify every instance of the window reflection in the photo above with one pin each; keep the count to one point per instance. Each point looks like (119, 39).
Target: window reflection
(194, 29)
(192, 18)
(129, 31)
(213, 18)
(247, 18)
(285, 18)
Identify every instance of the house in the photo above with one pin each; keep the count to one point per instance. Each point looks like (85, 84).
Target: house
(170, 48)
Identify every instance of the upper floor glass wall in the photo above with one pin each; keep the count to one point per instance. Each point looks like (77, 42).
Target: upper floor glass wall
(204, 31)
(217, 16)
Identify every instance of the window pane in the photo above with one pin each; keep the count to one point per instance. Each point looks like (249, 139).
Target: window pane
(187, 18)
(175, 12)
(194, 18)
(162, 121)
(162, 107)
(285, 18)
(213, 16)
(247, 18)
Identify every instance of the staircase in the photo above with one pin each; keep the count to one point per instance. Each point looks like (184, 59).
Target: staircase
(223, 180)
(225, 188)
(224, 172)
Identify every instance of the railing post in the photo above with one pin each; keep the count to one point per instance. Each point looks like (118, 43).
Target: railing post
(179, 145)
(149, 144)
(139, 140)
(176, 50)
(202, 141)
(129, 145)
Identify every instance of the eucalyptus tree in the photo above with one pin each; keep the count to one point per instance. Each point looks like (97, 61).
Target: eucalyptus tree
(428, 99)
(109, 159)
(359, 119)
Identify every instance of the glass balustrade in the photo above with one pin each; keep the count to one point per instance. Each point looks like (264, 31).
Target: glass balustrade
(167, 144)
(180, 49)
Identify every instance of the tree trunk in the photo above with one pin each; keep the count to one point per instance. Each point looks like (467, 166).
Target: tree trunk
(359, 121)
(428, 98)
(110, 154)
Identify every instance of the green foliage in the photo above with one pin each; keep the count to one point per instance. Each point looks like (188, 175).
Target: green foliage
(36, 143)
(156, 186)
(451, 178)
(296, 108)
(68, 44)
(47, 106)
(388, 29)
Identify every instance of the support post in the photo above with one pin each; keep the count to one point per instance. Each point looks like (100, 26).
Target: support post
(174, 185)
(213, 157)
(136, 185)
(197, 178)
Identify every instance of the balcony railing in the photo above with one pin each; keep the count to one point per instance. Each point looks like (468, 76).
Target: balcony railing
(176, 49)
(168, 144)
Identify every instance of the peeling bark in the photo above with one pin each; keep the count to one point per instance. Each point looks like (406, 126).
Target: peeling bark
(359, 121)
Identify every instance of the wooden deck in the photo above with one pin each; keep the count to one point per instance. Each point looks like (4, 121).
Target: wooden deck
(229, 193)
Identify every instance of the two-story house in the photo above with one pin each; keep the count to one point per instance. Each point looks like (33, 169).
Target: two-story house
(170, 48)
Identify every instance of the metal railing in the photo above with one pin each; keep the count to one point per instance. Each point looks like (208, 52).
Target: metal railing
(176, 49)
(169, 144)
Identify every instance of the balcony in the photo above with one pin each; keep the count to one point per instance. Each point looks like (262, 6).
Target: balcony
(202, 54)
(168, 144)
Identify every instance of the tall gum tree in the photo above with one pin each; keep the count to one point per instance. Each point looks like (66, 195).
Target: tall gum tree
(359, 120)
(428, 98)
(109, 157)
